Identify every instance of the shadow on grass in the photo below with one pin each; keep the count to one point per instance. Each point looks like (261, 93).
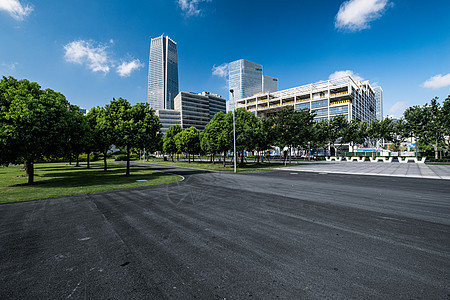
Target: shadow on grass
(87, 177)
(88, 172)
(179, 170)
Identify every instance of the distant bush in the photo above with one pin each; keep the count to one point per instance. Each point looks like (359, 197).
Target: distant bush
(92, 157)
(432, 159)
(120, 157)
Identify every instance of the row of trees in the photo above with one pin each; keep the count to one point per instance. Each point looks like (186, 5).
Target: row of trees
(37, 123)
(288, 129)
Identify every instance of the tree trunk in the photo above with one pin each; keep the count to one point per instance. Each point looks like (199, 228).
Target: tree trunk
(224, 155)
(436, 155)
(78, 160)
(242, 158)
(290, 155)
(88, 160)
(417, 148)
(127, 173)
(30, 171)
(105, 168)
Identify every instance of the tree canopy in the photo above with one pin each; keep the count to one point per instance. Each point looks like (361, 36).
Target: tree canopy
(33, 122)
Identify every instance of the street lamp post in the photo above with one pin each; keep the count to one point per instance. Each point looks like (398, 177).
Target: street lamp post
(234, 130)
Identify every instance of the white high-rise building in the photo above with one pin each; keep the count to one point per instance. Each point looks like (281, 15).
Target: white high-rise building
(162, 73)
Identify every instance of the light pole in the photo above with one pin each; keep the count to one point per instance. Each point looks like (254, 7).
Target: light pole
(234, 131)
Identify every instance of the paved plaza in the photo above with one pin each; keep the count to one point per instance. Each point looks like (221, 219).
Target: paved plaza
(278, 234)
(412, 170)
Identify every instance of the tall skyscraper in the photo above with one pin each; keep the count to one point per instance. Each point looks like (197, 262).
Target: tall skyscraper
(162, 73)
(379, 102)
(246, 79)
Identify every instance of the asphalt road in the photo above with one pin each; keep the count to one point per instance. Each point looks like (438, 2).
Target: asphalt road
(279, 234)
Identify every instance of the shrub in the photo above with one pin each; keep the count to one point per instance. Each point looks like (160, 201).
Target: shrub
(119, 157)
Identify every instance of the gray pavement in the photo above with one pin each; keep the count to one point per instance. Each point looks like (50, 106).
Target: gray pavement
(411, 170)
(285, 235)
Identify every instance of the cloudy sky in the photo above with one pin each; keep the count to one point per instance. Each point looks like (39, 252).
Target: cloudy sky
(93, 50)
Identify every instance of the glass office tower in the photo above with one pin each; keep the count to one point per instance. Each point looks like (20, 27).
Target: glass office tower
(270, 84)
(162, 73)
(379, 102)
(245, 79)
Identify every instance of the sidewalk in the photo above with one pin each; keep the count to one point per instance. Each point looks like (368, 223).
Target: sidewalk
(381, 169)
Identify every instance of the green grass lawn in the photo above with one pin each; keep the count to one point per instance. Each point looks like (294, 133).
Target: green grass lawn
(62, 179)
(218, 166)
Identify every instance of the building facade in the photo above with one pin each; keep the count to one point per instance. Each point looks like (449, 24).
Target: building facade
(168, 118)
(327, 99)
(246, 79)
(379, 102)
(194, 110)
(191, 109)
(162, 73)
(269, 84)
(198, 109)
(216, 103)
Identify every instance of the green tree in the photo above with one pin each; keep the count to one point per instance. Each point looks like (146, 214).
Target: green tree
(446, 118)
(33, 122)
(218, 135)
(333, 131)
(135, 127)
(265, 136)
(354, 133)
(380, 130)
(292, 129)
(435, 126)
(79, 133)
(189, 141)
(416, 120)
(102, 132)
(246, 130)
(169, 145)
(319, 134)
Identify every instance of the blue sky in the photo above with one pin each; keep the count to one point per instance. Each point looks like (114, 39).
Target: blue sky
(92, 50)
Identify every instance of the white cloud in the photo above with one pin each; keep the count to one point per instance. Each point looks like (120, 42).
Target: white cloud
(191, 7)
(8, 67)
(126, 68)
(437, 82)
(221, 71)
(85, 52)
(355, 15)
(340, 74)
(397, 109)
(15, 9)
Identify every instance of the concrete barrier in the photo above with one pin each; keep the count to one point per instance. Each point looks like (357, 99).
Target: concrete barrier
(379, 158)
(331, 158)
(355, 158)
(413, 159)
